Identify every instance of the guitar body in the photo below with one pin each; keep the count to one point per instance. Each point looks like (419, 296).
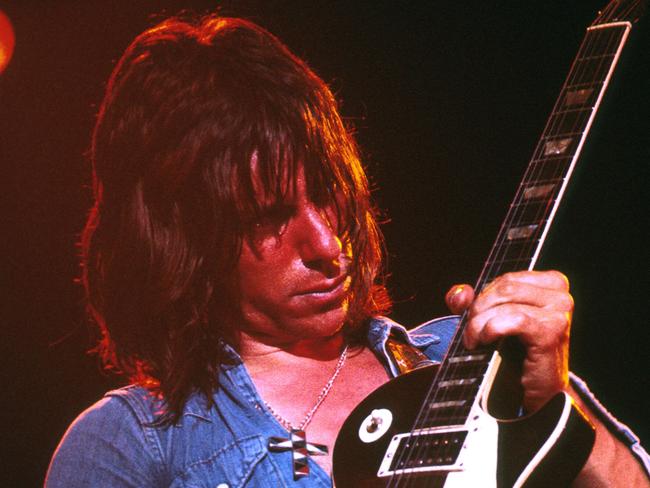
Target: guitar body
(545, 449)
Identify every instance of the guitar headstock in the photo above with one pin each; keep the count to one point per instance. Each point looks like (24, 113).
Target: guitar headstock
(621, 11)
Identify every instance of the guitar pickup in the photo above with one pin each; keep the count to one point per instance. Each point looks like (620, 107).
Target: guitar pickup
(423, 451)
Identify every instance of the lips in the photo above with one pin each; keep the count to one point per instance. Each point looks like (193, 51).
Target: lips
(327, 287)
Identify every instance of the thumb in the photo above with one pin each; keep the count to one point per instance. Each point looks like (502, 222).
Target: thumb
(459, 298)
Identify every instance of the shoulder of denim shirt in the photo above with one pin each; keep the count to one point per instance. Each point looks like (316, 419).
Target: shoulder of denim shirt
(150, 408)
(91, 451)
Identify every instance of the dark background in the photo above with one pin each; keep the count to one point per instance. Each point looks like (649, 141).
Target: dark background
(448, 101)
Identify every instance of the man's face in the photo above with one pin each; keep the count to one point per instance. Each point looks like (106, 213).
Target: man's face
(292, 273)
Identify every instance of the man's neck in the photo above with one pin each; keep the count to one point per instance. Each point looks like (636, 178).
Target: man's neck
(256, 349)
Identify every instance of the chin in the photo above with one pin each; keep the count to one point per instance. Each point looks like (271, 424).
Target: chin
(323, 325)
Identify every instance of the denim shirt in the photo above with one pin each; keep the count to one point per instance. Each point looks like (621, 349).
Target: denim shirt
(113, 444)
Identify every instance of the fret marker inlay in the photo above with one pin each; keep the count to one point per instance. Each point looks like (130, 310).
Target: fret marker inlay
(467, 359)
(556, 146)
(523, 232)
(445, 384)
(578, 97)
(451, 403)
(538, 191)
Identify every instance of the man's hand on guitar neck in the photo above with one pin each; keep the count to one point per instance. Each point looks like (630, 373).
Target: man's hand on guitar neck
(534, 306)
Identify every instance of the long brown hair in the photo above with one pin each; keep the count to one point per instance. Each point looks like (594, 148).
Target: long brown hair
(187, 106)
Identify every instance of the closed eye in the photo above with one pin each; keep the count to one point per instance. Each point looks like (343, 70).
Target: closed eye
(272, 221)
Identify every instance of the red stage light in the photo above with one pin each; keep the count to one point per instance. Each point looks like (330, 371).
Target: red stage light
(7, 41)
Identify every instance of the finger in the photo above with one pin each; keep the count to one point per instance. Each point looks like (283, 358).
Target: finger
(459, 298)
(504, 290)
(551, 279)
(534, 326)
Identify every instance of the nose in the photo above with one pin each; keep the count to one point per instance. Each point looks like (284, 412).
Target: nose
(320, 247)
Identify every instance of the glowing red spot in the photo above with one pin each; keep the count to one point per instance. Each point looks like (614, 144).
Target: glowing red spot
(7, 41)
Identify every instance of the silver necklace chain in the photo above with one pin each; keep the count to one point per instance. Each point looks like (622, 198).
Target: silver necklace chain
(321, 398)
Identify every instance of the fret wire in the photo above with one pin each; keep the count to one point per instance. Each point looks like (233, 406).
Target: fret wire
(602, 56)
(591, 70)
(591, 84)
(569, 121)
(570, 110)
(583, 52)
(498, 259)
(541, 165)
(543, 181)
(594, 40)
(575, 75)
(514, 250)
(529, 213)
(550, 135)
(520, 213)
(552, 158)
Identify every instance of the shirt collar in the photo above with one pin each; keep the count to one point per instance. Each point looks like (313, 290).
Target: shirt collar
(381, 328)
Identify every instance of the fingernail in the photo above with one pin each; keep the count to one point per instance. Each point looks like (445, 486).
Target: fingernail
(455, 292)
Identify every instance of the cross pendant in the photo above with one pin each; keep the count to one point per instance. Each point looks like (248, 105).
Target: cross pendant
(300, 450)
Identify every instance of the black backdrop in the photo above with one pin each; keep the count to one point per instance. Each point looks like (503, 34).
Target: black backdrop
(448, 101)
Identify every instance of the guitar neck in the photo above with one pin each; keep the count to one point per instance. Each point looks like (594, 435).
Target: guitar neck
(525, 227)
(463, 374)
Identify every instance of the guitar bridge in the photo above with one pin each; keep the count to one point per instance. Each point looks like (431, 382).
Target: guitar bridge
(423, 451)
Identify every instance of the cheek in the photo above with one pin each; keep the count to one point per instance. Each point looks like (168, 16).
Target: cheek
(250, 272)
(262, 274)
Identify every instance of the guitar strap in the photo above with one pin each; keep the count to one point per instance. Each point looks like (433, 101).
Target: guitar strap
(405, 356)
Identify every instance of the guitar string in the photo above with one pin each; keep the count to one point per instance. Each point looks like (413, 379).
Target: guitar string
(555, 123)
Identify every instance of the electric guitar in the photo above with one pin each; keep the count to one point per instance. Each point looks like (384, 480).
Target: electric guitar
(457, 424)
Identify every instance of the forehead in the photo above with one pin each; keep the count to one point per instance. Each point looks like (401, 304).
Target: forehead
(285, 182)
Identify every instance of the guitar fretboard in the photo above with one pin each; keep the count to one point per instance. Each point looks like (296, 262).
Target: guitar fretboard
(524, 229)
